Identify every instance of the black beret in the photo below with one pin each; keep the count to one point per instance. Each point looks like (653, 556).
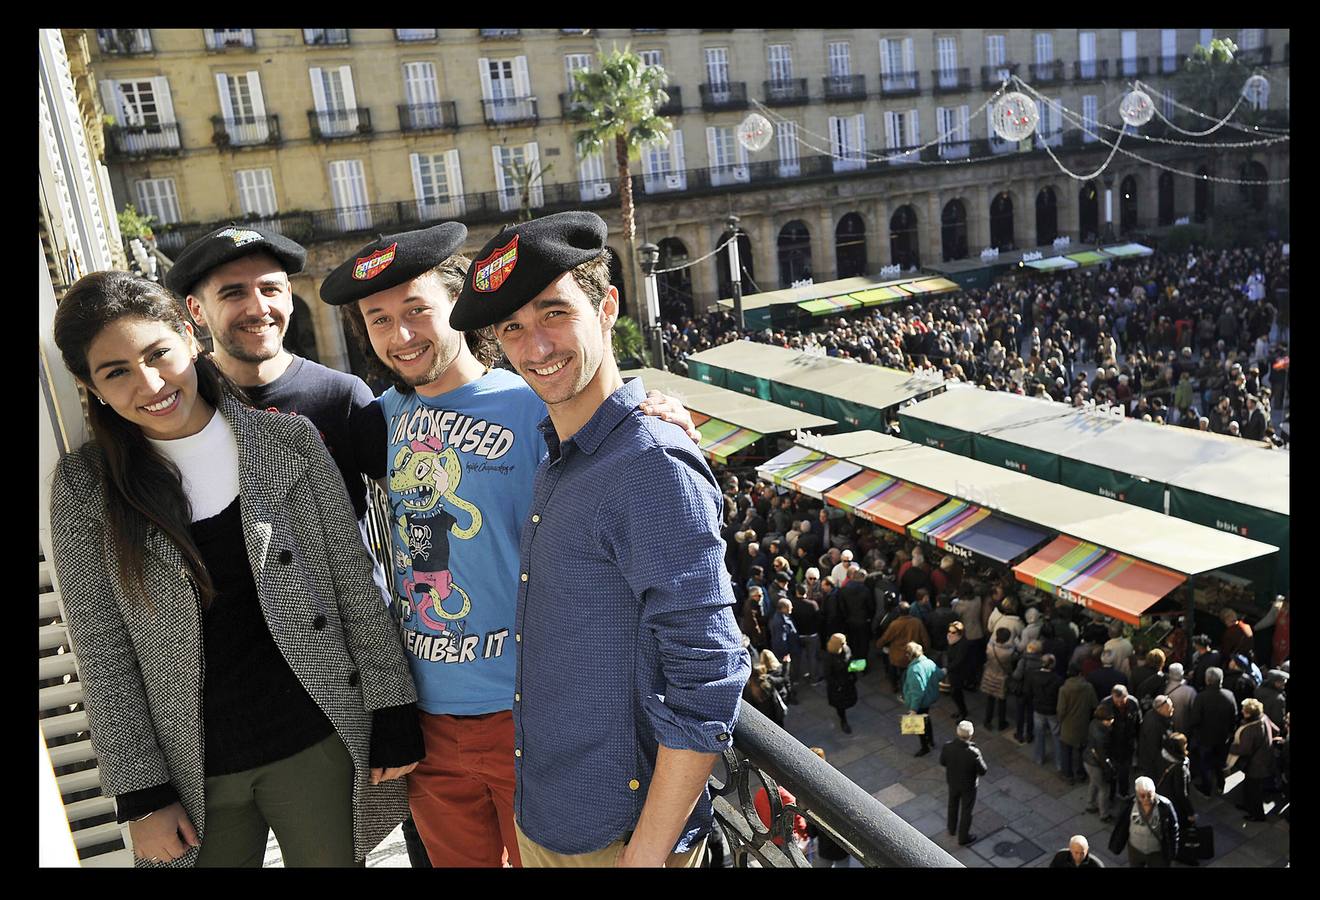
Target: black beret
(520, 261)
(226, 244)
(391, 260)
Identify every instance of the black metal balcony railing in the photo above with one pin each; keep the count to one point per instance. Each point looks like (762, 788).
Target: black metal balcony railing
(791, 92)
(325, 36)
(954, 150)
(1131, 66)
(764, 755)
(124, 41)
(1048, 71)
(948, 80)
(570, 110)
(229, 38)
(498, 32)
(332, 124)
(144, 140)
(727, 95)
(1259, 56)
(896, 84)
(845, 87)
(674, 105)
(406, 35)
(993, 76)
(511, 111)
(428, 116)
(245, 131)
(1170, 64)
(1090, 69)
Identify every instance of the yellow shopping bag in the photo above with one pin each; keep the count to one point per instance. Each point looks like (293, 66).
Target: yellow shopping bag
(913, 724)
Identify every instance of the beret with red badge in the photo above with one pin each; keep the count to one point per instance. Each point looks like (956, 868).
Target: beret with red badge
(225, 245)
(520, 261)
(391, 260)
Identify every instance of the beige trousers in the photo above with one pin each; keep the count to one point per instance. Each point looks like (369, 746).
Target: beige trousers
(535, 856)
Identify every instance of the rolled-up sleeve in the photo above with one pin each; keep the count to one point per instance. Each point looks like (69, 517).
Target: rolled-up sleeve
(669, 549)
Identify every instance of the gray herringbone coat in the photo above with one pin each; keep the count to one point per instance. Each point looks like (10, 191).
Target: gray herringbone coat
(142, 669)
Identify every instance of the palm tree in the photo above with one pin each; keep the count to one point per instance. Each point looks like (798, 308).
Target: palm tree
(616, 102)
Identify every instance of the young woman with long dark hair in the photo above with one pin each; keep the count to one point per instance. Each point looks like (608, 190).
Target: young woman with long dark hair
(240, 671)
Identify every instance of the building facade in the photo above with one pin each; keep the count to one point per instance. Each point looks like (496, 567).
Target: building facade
(883, 150)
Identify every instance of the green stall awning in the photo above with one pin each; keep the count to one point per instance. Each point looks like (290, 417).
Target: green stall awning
(706, 373)
(1087, 257)
(1017, 457)
(1052, 263)
(933, 434)
(879, 296)
(828, 306)
(1111, 483)
(796, 397)
(1237, 518)
(1125, 250)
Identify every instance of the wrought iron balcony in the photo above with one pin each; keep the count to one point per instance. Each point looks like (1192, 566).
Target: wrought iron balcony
(764, 755)
(570, 110)
(997, 145)
(845, 87)
(1260, 56)
(954, 150)
(674, 105)
(124, 41)
(128, 141)
(442, 116)
(1131, 66)
(498, 33)
(408, 35)
(326, 36)
(229, 38)
(728, 95)
(1170, 64)
(950, 80)
(898, 84)
(1047, 72)
(245, 131)
(993, 76)
(510, 111)
(792, 92)
(334, 124)
(1090, 69)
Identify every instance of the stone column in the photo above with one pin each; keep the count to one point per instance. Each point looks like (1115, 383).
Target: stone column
(929, 243)
(1026, 190)
(1148, 197)
(878, 253)
(978, 229)
(331, 342)
(1068, 208)
(824, 255)
(765, 250)
(705, 287)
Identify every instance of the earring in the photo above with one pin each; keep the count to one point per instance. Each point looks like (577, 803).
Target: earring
(100, 398)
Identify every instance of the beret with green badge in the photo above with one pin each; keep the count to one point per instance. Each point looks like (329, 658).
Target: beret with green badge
(391, 260)
(225, 245)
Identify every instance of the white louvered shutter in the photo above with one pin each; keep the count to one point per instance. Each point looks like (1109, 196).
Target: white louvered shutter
(454, 175)
(350, 98)
(226, 106)
(532, 159)
(160, 85)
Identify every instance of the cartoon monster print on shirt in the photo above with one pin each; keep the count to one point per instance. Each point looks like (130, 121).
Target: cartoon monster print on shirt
(424, 474)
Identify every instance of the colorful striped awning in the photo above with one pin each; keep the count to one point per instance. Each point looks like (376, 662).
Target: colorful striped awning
(720, 439)
(858, 489)
(877, 296)
(941, 525)
(820, 477)
(787, 464)
(1112, 583)
(698, 418)
(898, 504)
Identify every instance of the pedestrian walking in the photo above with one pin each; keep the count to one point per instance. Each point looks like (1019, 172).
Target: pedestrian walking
(1147, 828)
(1076, 704)
(840, 683)
(921, 689)
(1096, 758)
(963, 767)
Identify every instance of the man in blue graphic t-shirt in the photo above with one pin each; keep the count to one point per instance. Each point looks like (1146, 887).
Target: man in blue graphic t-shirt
(459, 451)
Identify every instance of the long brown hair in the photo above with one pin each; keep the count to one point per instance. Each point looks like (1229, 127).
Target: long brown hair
(146, 488)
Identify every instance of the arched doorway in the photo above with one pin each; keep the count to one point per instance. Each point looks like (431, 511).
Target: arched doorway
(953, 230)
(1201, 196)
(674, 288)
(1047, 217)
(903, 238)
(1257, 196)
(1127, 205)
(1165, 187)
(794, 253)
(300, 338)
(850, 245)
(744, 264)
(1088, 214)
(617, 279)
(1001, 222)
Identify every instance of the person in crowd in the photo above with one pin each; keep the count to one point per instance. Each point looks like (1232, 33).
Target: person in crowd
(937, 625)
(752, 621)
(857, 605)
(1253, 751)
(1214, 716)
(1203, 658)
(840, 572)
(1031, 631)
(921, 689)
(1056, 640)
(1174, 780)
(1042, 689)
(785, 642)
(1147, 678)
(1122, 650)
(1182, 695)
(967, 606)
(958, 660)
(840, 683)
(1005, 614)
(1077, 701)
(806, 619)
(1147, 828)
(994, 680)
(1098, 761)
(1237, 636)
(916, 574)
(1107, 676)
(903, 630)
(185, 605)
(786, 799)
(828, 853)
(1077, 855)
(1123, 736)
(1277, 619)
(1155, 727)
(1027, 663)
(1238, 678)
(1272, 695)
(964, 764)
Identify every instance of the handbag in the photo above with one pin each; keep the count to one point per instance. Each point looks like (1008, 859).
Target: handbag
(1198, 844)
(913, 724)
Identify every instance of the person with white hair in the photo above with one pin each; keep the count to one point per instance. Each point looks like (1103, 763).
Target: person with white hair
(840, 571)
(1147, 828)
(1077, 855)
(1182, 695)
(963, 767)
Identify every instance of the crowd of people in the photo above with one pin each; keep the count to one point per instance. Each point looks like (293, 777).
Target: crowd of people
(1191, 339)
(825, 597)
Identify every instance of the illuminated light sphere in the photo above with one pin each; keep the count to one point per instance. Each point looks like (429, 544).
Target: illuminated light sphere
(1255, 87)
(1015, 116)
(755, 132)
(1136, 108)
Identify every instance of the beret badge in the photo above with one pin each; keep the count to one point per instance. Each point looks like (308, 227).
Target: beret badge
(495, 269)
(369, 267)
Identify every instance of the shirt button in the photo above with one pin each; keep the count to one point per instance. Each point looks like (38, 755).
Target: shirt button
(286, 557)
(517, 753)
(518, 638)
(517, 697)
(634, 784)
(524, 576)
(318, 622)
(536, 518)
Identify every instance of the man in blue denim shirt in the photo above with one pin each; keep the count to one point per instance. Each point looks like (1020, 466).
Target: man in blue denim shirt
(630, 664)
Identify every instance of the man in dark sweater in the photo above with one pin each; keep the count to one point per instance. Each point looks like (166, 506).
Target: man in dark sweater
(1077, 855)
(1042, 686)
(963, 767)
(1213, 719)
(1154, 728)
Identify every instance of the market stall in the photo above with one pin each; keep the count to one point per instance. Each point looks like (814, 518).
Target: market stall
(797, 306)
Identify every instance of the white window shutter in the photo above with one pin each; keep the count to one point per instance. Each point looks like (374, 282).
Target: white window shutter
(859, 134)
(963, 133)
(501, 179)
(483, 65)
(532, 157)
(164, 105)
(419, 190)
(455, 174)
(741, 151)
(350, 98)
(916, 129)
(907, 55)
(521, 83)
(942, 124)
(258, 101)
(318, 88)
(677, 158)
(884, 57)
(222, 88)
(891, 130)
(112, 100)
(712, 159)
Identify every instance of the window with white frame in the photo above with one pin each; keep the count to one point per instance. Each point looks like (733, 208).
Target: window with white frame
(997, 144)
(1090, 127)
(996, 55)
(1127, 41)
(256, 192)
(242, 107)
(574, 62)
(157, 197)
(505, 88)
(334, 99)
(946, 57)
(896, 66)
(437, 185)
(144, 112)
(717, 73)
(422, 94)
(1044, 48)
(518, 171)
(1086, 54)
(1166, 102)
(653, 58)
(663, 165)
(348, 193)
(779, 63)
(1050, 128)
(728, 158)
(1168, 50)
(840, 59)
(415, 34)
(848, 142)
(137, 100)
(1250, 38)
(591, 177)
(787, 136)
(951, 123)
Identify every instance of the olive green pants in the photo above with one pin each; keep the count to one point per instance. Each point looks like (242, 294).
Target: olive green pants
(306, 799)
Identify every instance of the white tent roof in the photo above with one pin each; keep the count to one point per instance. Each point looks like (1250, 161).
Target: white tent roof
(730, 406)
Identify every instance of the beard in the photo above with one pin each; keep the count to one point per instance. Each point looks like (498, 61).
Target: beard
(232, 342)
(443, 357)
